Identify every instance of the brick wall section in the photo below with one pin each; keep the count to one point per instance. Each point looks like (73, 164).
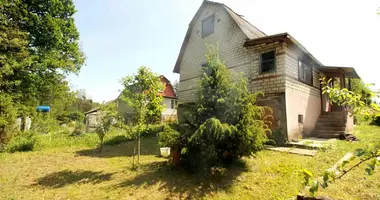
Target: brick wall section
(230, 39)
(291, 73)
(272, 82)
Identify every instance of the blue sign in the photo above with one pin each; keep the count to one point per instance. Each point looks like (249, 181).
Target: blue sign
(43, 108)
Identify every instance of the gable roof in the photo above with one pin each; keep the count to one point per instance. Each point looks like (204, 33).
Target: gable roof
(248, 29)
(169, 90)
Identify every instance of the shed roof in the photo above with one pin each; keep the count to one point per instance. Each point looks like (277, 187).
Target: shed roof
(350, 72)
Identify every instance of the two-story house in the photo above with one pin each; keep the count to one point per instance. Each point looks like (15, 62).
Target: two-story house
(278, 65)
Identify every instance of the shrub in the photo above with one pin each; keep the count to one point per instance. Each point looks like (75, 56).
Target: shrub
(152, 129)
(376, 120)
(70, 116)
(44, 123)
(227, 123)
(79, 129)
(21, 142)
(118, 139)
(168, 137)
(118, 136)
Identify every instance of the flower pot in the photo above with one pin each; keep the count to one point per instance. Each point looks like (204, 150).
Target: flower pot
(165, 151)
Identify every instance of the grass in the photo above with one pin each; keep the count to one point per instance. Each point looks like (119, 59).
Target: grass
(57, 171)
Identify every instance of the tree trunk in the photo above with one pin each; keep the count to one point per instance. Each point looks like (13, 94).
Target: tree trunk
(175, 152)
(101, 144)
(138, 150)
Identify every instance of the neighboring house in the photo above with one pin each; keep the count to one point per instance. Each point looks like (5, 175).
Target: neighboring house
(170, 101)
(277, 64)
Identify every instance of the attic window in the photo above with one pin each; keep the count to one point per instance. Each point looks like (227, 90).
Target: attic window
(208, 26)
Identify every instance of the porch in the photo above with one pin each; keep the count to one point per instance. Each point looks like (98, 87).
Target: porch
(335, 120)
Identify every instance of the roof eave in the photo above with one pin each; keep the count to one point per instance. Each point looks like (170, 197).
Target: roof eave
(282, 37)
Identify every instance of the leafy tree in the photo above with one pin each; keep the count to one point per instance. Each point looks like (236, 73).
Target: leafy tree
(359, 87)
(371, 155)
(227, 122)
(106, 117)
(176, 86)
(141, 94)
(39, 46)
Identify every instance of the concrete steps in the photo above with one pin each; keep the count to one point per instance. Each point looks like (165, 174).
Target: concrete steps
(330, 125)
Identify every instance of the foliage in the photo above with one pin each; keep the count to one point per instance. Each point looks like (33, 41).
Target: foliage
(176, 87)
(78, 129)
(44, 123)
(168, 137)
(369, 155)
(7, 116)
(359, 87)
(141, 94)
(151, 129)
(118, 136)
(376, 120)
(345, 97)
(227, 124)
(39, 47)
(106, 117)
(67, 117)
(21, 142)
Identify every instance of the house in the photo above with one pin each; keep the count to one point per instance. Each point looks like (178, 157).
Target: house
(170, 101)
(278, 65)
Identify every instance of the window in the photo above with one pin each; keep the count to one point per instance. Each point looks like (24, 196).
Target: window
(300, 119)
(208, 26)
(305, 73)
(176, 103)
(172, 104)
(268, 61)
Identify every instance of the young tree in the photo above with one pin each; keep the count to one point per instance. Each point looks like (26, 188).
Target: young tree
(106, 117)
(141, 94)
(227, 122)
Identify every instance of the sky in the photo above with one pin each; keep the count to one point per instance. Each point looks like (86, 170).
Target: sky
(119, 36)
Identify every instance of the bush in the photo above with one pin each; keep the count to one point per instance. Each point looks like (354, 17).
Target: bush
(168, 137)
(116, 140)
(21, 142)
(152, 130)
(226, 124)
(79, 129)
(118, 136)
(376, 120)
(44, 123)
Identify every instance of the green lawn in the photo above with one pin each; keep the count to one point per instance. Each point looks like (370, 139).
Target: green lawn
(78, 172)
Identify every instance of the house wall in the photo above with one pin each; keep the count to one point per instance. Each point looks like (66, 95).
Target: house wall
(238, 59)
(230, 39)
(168, 111)
(301, 99)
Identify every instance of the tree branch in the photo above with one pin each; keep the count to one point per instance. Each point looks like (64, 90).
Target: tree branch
(356, 165)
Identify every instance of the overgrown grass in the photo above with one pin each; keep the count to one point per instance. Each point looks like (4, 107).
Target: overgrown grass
(80, 172)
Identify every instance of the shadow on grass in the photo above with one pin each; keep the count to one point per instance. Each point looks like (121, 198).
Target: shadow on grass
(68, 177)
(148, 147)
(180, 184)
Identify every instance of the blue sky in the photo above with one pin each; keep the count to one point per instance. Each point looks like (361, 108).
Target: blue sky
(118, 36)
